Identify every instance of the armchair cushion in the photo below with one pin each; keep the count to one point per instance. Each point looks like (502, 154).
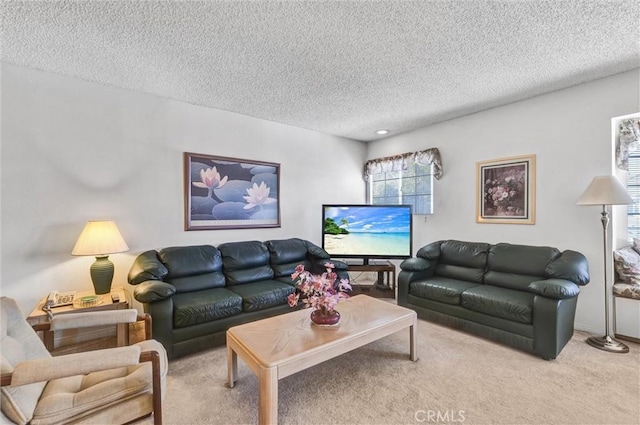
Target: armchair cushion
(65, 398)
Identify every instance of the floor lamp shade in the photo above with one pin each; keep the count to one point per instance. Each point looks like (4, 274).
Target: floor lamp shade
(100, 238)
(605, 190)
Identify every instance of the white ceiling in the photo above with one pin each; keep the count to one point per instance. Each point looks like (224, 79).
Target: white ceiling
(345, 68)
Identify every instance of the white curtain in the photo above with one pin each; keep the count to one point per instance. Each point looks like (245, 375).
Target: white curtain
(628, 136)
(401, 162)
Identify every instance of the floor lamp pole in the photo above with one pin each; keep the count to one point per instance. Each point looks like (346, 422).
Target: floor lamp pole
(606, 342)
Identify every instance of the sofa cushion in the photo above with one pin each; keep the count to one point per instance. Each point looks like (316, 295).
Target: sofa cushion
(516, 281)
(518, 260)
(499, 302)
(462, 260)
(187, 261)
(261, 295)
(245, 262)
(192, 308)
(198, 282)
(286, 255)
(442, 289)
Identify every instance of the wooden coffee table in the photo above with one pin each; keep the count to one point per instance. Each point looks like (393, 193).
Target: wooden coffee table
(280, 346)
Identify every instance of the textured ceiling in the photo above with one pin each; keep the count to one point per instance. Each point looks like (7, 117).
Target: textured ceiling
(345, 68)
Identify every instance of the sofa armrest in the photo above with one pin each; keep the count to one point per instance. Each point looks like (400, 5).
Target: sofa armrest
(554, 288)
(571, 265)
(153, 290)
(146, 266)
(415, 264)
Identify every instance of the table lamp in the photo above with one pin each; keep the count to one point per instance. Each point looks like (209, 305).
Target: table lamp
(605, 190)
(100, 238)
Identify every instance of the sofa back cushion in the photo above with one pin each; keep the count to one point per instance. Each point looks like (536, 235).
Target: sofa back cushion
(245, 262)
(462, 260)
(193, 268)
(286, 254)
(516, 266)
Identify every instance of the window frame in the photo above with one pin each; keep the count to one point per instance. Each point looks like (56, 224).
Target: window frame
(400, 178)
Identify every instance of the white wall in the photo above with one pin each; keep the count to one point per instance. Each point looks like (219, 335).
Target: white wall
(74, 150)
(570, 133)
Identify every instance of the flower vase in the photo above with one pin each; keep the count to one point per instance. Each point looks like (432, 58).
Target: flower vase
(321, 317)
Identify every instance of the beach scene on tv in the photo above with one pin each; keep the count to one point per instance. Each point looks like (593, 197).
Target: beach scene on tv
(367, 230)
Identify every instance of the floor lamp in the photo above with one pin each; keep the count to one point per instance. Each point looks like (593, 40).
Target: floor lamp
(605, 190)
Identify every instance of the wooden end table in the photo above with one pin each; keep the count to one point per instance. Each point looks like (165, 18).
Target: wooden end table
(279, 346)
(122, 329)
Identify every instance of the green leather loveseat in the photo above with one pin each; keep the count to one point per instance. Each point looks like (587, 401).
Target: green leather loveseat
(195, 293)
(519, 295)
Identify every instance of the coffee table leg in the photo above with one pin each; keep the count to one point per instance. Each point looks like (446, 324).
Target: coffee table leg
(413, 341)
(268, 396)
(232, 366)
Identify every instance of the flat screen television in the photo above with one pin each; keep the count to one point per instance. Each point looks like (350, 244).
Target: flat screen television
(367, 231)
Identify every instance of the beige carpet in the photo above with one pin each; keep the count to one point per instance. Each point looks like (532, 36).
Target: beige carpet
(460, 378)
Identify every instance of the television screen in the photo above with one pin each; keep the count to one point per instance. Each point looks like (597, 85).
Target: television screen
(367, 231)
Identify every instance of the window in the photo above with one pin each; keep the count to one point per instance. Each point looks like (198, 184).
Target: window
(633, 187)
(411, 186)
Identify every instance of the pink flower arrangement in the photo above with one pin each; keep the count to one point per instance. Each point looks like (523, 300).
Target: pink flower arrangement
(318, 291)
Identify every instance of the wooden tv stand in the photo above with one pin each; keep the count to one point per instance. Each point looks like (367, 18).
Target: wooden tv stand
(386, 272)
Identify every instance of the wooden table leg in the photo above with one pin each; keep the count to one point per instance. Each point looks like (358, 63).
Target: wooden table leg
(48, 339)
(122, 334)
(232, 366)
(268, 396)
(413, 341)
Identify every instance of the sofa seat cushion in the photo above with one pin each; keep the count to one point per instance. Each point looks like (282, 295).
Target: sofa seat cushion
(499, 302)
(441, 289)
(192, 308)
(264, 294)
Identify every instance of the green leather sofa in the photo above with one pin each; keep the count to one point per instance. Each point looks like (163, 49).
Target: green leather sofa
(523, 296)
(195, 293)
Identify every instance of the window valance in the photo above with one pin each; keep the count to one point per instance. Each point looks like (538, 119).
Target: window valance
(400, 162)
(628, 135)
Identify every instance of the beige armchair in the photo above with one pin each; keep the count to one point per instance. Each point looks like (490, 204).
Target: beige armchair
(111, 386)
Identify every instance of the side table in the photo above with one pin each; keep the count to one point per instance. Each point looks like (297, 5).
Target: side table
(106, 303)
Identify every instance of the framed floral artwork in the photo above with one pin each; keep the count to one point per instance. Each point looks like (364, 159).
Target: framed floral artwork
(506, 190)
(230, 193)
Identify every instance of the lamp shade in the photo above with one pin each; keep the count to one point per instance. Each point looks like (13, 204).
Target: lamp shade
(100, 238)
(605, 190)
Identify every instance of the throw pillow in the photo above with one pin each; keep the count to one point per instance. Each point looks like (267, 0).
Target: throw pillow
(636, 245)
(627, 264)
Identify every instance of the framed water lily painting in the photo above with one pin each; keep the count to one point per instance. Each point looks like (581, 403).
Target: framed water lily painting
(230, 193)
(506, 190)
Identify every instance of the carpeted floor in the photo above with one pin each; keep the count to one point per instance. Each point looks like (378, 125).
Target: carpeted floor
(459, 378)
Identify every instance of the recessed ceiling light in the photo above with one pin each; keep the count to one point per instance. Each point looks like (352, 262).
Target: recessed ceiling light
(381, 132)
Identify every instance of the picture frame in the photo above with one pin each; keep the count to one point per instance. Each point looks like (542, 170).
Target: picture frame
(506, 190)
(230, 193)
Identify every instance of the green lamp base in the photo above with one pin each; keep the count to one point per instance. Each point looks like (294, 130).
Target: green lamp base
(102, 275)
